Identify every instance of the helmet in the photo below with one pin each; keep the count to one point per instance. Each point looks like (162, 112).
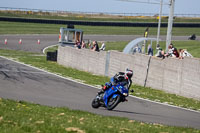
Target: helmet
(129, 73)
(120, 76)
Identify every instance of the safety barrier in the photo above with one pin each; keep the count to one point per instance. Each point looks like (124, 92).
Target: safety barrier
(92, 23)
(181, 77)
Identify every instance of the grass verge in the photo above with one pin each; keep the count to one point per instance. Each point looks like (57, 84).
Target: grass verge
(51, 49)
(23, 117)
(192, 46)
(92, 17)
(88, 78)
(33, 28)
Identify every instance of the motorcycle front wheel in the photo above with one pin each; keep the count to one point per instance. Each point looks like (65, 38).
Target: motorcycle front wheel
(95, 103)
(113, 102)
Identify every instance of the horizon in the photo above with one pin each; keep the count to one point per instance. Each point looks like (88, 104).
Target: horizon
(90, 12)
(110, 6)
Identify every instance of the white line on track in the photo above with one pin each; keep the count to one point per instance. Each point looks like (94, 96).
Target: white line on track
(43, 51)
(70, 79)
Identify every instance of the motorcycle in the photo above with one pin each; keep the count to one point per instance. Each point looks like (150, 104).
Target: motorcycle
(192, 37)
(111, 97)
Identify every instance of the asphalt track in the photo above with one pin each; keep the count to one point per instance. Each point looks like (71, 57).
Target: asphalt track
(29, 42)
(20, 82)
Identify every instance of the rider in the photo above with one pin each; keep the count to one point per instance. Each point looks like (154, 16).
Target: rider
(122, 77)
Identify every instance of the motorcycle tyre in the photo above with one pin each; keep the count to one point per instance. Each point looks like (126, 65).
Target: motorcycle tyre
(115, 104)
(95, 103)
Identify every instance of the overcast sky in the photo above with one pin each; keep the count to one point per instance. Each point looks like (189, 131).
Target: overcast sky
(181, 6)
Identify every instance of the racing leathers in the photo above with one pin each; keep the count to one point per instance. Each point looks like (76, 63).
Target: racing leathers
(118, 78)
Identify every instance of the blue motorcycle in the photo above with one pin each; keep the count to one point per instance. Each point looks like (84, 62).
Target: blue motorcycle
(111, 97)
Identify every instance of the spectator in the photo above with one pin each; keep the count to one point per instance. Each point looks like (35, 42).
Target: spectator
(187, 54)
(183, 53)
(90, 46)
(95, 46)
(157, 46)
(146, 32)
(160, 53)
(175, 53)
(169, 52)
(137, 49)
(103, 46)
(150, 50)
(78, 44)
(83, 44)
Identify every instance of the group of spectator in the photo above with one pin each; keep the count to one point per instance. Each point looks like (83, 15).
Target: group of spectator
(172, 52)
(94, 46)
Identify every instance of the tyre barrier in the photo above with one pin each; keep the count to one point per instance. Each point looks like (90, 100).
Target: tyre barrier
(52, 56)
(92, 23)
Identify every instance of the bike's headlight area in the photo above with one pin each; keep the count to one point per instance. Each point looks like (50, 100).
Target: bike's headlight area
(125, 94)
(120, 89)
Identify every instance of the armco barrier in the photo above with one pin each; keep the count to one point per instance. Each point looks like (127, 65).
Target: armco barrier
(92, 23)
(181, 77)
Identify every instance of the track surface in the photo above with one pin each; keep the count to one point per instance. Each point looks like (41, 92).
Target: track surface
(20, 82)
(29, 42)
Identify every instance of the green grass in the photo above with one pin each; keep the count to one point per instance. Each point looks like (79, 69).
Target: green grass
(192, 46)
(51, 49)
(163, 97)
(119, 46)
(83, 17)
(34, 28)
(23, 117)
(93, 17)
(89, 78)
(28, 28)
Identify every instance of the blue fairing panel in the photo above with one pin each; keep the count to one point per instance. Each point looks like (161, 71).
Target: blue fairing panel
(113, 92)
(109, 93)
(115, 95)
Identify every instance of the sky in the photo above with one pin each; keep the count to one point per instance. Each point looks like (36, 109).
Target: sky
(113, 6)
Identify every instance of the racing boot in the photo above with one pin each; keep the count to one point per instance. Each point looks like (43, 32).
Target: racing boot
(100, 92)
(103, 89)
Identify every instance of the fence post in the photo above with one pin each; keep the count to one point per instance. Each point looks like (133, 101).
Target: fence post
(147, 71)
(107, 63)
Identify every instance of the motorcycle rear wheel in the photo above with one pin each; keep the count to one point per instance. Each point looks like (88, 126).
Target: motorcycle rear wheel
(112, 104)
